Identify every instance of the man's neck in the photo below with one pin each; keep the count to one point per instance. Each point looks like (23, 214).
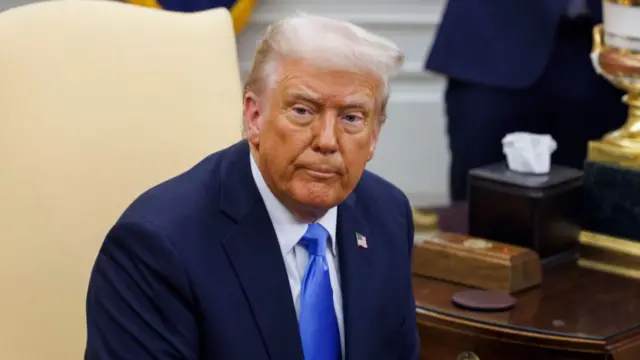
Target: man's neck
(308, 215)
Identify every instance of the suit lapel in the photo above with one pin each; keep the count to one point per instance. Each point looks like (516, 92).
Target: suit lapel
(255, 255)
(355, 273)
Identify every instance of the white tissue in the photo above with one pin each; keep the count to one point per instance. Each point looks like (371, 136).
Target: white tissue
(528, 153)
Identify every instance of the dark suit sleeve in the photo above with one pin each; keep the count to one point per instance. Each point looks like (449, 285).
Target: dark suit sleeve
(139, 305)
(411, 345)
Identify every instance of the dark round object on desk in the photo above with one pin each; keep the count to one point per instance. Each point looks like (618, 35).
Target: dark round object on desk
(483, 300)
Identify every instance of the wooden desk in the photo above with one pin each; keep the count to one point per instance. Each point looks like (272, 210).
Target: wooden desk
(575, 314)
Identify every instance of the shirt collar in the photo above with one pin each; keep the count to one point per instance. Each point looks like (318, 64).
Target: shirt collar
(289, 230)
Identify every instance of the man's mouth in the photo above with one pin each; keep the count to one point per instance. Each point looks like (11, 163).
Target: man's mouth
(321, 173)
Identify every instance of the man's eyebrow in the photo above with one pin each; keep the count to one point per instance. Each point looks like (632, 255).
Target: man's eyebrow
(304, 93)
(358, 100)
(350, 101)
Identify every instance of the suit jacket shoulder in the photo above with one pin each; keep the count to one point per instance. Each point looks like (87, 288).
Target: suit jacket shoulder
(380, 200)
(189, 200)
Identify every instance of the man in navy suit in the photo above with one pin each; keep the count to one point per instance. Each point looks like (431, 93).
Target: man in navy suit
(521, 66)
(281, 246)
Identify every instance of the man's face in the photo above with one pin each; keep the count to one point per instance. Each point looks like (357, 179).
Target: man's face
(314, 133)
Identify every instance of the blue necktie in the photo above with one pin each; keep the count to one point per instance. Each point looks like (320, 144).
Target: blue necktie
(318, 324)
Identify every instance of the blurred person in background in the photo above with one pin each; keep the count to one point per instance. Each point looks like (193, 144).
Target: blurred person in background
(520, 66)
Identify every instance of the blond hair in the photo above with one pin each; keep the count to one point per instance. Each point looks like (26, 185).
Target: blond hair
(325, 42)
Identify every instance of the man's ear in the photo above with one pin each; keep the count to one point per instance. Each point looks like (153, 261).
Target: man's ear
(252, 115)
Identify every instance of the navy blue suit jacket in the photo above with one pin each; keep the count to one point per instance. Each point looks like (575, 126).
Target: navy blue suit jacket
(503, 43)
(193, 270)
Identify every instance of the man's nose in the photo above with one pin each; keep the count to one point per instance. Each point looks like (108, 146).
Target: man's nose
(326, 137)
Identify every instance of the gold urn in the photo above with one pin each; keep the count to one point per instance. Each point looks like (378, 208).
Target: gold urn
(616, 56)
(611, 240)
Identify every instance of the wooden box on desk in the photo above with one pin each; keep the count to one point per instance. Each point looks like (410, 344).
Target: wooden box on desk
(476, 262)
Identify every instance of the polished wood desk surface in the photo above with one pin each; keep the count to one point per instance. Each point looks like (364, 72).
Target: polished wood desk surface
(570, 302)
(575, 313)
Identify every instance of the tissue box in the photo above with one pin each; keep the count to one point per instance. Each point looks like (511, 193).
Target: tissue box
(536, 211)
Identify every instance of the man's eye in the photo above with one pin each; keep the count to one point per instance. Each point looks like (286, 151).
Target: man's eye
(352, 118)
(300, 110)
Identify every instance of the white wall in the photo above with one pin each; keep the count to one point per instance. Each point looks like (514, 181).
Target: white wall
(413, 150)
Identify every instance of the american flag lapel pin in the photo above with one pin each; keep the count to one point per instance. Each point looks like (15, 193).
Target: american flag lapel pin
(361, 240)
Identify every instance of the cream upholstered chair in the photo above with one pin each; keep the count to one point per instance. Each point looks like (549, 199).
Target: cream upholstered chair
(98, 101)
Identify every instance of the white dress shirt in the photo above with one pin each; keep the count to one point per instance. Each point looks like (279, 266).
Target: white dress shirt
(289, 231)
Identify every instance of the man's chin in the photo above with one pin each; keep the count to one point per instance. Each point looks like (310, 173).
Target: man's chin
(318, 196)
